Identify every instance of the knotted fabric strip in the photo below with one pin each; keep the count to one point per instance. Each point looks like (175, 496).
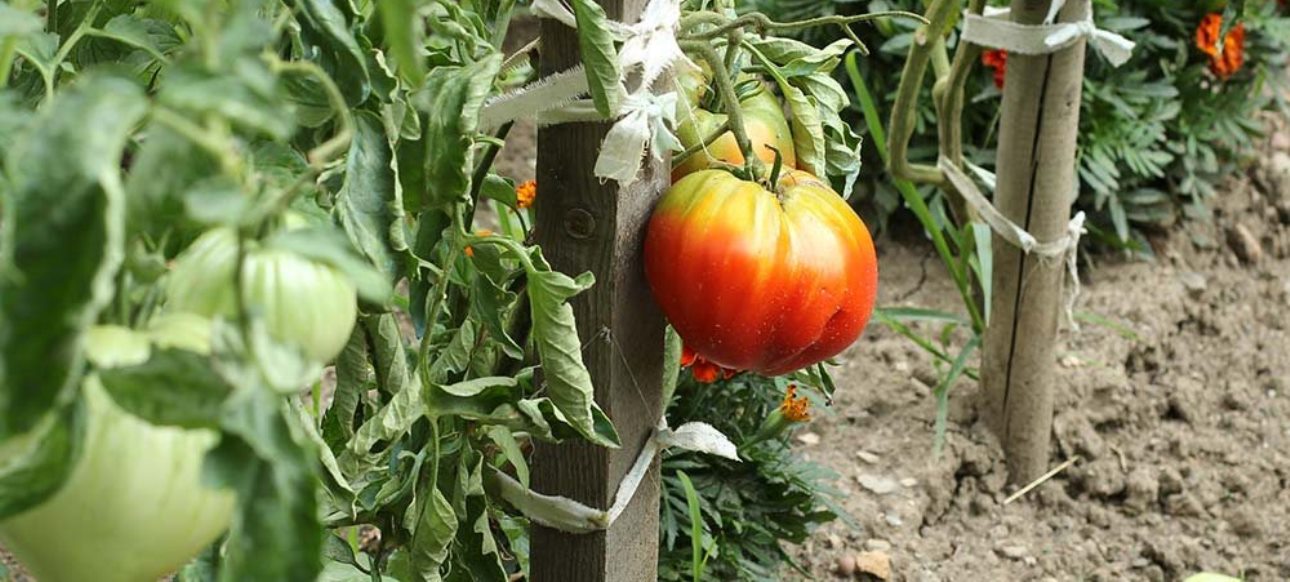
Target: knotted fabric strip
(644, 118)
(994, 30)
(1065, 248)
(567, 515)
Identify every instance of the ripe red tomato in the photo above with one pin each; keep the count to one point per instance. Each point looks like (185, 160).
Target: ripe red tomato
(757, 280)
(764, 120)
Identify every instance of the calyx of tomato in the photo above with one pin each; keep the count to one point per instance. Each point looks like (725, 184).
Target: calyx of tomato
(134, 507)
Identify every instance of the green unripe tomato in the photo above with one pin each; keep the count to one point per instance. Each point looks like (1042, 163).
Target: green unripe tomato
(303, 303)
(134, 507)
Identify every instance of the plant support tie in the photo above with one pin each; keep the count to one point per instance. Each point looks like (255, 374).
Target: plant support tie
(1065, 248)
(644, 118)
(993, 30)
(567, 515)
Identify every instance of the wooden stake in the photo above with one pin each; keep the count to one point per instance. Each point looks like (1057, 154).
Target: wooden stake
(584, 225)
(1036, 182)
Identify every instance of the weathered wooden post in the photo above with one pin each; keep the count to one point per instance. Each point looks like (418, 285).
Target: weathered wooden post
(1036, 177)
(586, 225)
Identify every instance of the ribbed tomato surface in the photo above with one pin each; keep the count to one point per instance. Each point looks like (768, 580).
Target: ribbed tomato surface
(758, 280)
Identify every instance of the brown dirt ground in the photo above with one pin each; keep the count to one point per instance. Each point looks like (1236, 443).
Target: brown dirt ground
(1181, 420)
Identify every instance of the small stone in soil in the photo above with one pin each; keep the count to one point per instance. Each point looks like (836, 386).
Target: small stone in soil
(1244, 244)
(876, 564)
(893, 520)
(908, 482)
(1013, 552)
(835, 541)
(877, 545)
(868, 457)
(878, 484)
(1184, 505)
(845, 566)
(808, 439)
(1194, 283)
(1142, 489)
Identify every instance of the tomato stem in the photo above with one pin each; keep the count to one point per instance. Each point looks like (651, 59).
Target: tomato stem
(734, 112)
(775, 170)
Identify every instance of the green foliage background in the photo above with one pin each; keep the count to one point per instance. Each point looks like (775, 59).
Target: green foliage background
(1156, 135)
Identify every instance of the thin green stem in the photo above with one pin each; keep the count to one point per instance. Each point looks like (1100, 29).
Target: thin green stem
(481, 170)
(939, 17)
(81, 30)
(730, 98)
(338, 144)
(912, 198)
(221, 150)
(707, 141)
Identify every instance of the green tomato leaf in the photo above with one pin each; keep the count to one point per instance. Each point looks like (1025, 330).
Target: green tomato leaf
(472, 388)
(389, 351)
(39, 462)
(556, 336)
(135, 32)
(368, 203)
(173, 387)
(354, 377)
(15, 22)
(505, 440)
(61, 242)
(327, 30)
(436, 526)
(276, 534)
(392, 420)
(452, 98)
(500, 189)
(404, 36)
(596, 45)
(250, 97)
(166, 169)
(672, 348)
(488, 303)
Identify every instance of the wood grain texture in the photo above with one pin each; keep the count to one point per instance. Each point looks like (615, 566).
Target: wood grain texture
(1036, 186)
(584, 225)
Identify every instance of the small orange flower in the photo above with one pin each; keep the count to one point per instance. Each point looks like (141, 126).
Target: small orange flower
(704, 371)
(1232, 57)
(997, 60)
(481, 232)
(793, 407)
(525, 193)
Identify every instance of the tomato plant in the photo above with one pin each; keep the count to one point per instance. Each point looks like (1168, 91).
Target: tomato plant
(757, 279)
(243, 255)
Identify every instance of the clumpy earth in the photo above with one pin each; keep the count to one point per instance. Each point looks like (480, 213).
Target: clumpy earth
(1174, 394)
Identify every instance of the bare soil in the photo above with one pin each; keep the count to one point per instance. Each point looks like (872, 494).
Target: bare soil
(1178, 412)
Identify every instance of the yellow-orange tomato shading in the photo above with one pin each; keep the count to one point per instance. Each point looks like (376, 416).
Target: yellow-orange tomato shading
(757, 280)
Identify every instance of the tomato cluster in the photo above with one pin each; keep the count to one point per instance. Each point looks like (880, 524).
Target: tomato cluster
(765, 275)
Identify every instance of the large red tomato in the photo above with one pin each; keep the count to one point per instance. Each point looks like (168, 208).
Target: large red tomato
(757, 280)
(764, 120)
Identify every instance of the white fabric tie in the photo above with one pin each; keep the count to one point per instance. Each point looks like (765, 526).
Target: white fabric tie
(1065, 248)
(570, 516)
(643, 117)
(993, 29)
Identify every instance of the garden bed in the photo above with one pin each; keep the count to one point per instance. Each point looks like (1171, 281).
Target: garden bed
(1176, 409)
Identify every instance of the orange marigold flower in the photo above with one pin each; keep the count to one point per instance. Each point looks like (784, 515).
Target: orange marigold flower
(793, 407)
(703, 370)
(997, 60)
(1225, 63)
(525, 193)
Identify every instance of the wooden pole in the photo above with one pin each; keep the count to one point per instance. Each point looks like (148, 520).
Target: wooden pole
(584, 225)
(1036, 178)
